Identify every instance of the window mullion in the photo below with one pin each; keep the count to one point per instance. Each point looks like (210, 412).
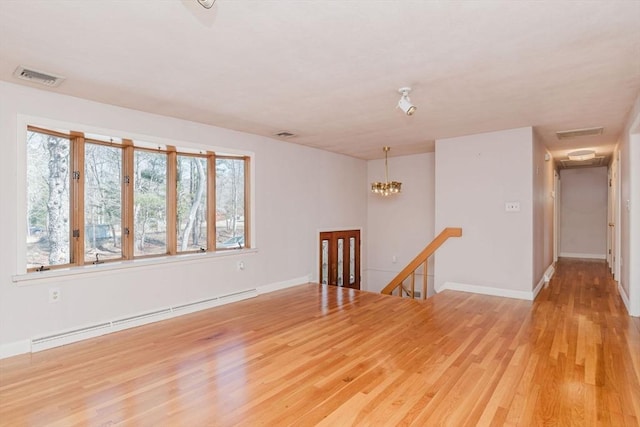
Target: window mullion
(172, 203)
(127, 199)
(247, 207)
(77, 199)
(211, 201)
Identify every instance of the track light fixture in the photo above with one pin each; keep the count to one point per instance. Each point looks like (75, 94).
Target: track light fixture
(405, 103)
(207, 4)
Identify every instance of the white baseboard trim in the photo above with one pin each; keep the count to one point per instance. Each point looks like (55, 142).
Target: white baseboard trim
(486, 290)
(539, 287)
(80, 333)
(546, 278)
(265, 289)
(69, 336)
(549, 272)
(14, 348)
(625, 298)
(627, 302)
(579, 255)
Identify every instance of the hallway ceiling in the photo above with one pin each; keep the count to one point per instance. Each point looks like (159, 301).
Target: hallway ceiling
(328, 71)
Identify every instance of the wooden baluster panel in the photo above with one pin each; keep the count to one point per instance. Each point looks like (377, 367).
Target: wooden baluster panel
(413, 284)
(424, 281)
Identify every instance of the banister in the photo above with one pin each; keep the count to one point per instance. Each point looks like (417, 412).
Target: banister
(421, 259)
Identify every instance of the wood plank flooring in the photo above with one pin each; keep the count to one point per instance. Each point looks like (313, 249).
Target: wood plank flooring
(314, 355)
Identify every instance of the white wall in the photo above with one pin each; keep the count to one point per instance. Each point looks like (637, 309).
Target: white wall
(475, 176)
(583, 213)
(629, 152)
(400, 225)
(298, 190)
(543, 182)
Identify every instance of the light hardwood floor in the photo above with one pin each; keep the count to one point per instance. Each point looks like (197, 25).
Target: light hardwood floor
(314, 355)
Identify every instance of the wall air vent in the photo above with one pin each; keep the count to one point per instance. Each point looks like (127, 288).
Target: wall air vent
(575, 133)
(284, 134)
(34, 76)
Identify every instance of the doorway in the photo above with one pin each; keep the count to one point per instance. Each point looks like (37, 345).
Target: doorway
(612, 217)
(340, 258)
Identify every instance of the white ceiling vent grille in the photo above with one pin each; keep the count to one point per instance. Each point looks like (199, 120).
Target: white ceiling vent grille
(35, 76)
(575, 133)
(596, 161)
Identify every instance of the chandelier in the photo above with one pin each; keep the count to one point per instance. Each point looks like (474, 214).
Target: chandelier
(386, 188)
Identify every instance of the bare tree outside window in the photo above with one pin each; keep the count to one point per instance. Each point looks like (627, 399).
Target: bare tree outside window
(150, 203)
(230, 203)
(102, 202)
(94, 198)
(192, 203)
(48, 199)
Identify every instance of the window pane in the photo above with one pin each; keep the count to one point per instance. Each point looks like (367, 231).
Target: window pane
(150, 195)
(340, 261)
(102, 203)
(352, 260)
(48, 200)
(192, 203)
(230, 203)
(325, 262)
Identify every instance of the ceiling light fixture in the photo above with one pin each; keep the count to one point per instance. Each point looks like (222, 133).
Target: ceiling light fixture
(386, 188)
(581, 155)
(207, 4)
(405, 103)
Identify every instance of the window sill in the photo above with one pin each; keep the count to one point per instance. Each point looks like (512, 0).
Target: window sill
(91, 269)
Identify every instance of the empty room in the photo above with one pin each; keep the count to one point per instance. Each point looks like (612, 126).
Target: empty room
(376, 213)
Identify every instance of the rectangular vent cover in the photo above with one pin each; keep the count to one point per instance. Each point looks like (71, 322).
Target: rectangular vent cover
(35, 76)
(575, 133)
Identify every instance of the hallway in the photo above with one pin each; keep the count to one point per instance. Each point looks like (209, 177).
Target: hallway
(325, 355)
(588, 348)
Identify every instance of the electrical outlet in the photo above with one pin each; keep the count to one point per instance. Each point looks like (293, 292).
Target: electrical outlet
(54, 295)
(512, 206)
(240, 265)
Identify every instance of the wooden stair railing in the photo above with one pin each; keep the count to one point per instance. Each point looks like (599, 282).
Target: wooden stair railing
(421, 260)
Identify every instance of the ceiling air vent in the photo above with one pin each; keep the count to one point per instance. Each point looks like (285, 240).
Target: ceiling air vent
(35, 76)
(575, 133)
(284, 134)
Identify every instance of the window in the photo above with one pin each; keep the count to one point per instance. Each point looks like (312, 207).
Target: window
(150, 203)
(102, 202)
(192, 203)
(48, 226)
(94, 199)
(230, 218)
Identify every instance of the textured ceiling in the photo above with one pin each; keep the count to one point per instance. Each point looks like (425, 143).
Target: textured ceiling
(329, 71)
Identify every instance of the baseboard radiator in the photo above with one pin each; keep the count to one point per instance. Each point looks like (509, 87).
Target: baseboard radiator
(95, 330)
